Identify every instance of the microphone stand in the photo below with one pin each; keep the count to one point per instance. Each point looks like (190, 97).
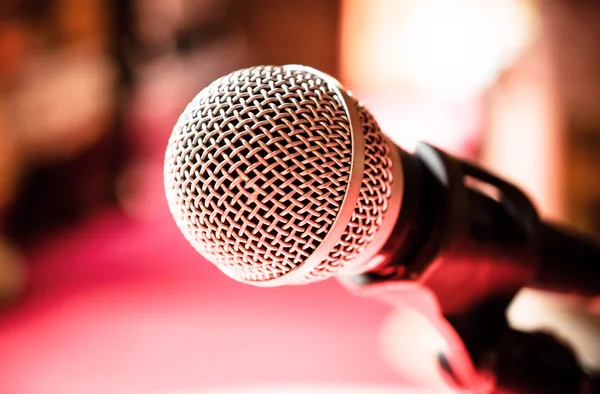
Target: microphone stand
(520, 362)
(473, 241)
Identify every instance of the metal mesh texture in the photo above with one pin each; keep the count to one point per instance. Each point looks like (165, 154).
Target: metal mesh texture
(372, 204)
(257, 167)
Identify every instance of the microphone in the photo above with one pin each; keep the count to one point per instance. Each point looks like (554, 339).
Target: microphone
(278, 176)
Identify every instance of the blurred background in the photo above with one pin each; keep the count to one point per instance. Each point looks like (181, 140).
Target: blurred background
(100, 293)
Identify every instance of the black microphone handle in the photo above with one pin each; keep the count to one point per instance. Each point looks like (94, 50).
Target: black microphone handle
(469, 235)
(473, 241)
(504, 227)
(569, 261)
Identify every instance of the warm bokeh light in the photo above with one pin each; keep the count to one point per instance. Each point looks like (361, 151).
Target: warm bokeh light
(444, 48)
(422, 66)
(457, 47)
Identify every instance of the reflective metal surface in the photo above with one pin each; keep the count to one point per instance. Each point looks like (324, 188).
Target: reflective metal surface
(277, 176)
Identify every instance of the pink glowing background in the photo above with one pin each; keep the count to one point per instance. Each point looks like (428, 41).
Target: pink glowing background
(120, 303)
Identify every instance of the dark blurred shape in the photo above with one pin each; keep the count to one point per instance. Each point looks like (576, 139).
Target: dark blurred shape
(60, 100)
(59, 193)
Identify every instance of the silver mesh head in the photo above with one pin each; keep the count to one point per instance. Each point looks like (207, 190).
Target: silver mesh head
(277, 176)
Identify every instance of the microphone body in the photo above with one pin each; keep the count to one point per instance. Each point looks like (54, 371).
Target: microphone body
(278, 175)
(569, 261)
(468, 235)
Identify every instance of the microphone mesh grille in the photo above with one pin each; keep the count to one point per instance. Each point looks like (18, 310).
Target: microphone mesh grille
(372, 205)
(256, 170)
(257, 167)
